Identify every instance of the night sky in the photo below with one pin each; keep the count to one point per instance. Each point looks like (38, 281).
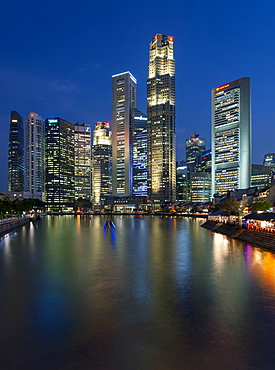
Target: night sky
(57, 59)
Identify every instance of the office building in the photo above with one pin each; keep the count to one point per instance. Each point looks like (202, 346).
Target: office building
(139, 153)
(195, 146)
(101, 164)
(59, 164)
(231, 136)
(269, 160)
(82, 161)
(182, 183)
(200, 185)
(16, 153)
(123, 102)
(261, 176)
(206, 161)
(161, 134)
(34, 145)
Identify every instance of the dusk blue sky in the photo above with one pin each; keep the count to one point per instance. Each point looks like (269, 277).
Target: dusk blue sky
(57, 59)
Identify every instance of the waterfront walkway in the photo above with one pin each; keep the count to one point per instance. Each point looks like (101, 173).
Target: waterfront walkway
(10, 223)
(260, 238)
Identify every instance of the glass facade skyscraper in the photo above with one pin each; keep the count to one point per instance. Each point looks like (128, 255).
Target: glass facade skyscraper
(161, 130)
(139, 153)
(123, 102)
(231, 136)
(59, 164)
(16, 153)
(82, 160)
(195, 146)
(34, 144)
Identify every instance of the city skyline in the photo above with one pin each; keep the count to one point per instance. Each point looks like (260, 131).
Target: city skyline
(37, 75)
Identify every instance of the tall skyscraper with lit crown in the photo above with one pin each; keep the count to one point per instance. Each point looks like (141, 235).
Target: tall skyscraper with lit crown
(231, 136)
(161, 130)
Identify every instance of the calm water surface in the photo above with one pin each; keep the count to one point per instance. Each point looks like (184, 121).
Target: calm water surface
(155, 293)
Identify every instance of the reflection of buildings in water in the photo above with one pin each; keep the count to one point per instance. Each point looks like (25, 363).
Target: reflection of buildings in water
(262, 267)
(220, 250)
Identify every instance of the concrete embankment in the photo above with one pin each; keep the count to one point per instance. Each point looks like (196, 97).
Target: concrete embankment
(256, 238)
(12, 224)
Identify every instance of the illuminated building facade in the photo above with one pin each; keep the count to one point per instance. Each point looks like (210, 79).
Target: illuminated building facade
(195, 146)
(182, 182)
(16, 153)
(269, 160)
(139, 153)
(82, 160)
(34, 144)
(200, 184)
(123, 102)
(261, 176)
(206, 161)
(231, 136)
(161, 131)
(59, 164)
(101, 163)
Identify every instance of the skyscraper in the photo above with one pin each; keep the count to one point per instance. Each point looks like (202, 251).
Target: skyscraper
(34, 144)
(82, 160)
(123, 102)
(195, 146)
(139, 153)
(231, 136)
(101, 163)
(269, 160)
(16, 153)
(161, 130)
(59, 164)
(261, 176)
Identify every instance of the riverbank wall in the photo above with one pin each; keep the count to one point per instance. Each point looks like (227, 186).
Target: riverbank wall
(9, 226)
(259, 239)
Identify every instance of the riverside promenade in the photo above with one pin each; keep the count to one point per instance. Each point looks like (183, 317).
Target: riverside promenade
(9, 224)
(259, 239)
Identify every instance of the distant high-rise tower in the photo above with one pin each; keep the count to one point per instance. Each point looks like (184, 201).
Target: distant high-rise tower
(16, 153)
(101, 163)
(195, 146)
(34, 144)
(269, 160)
(139, 153)
(59, 164)
(123, 102)
(82, 160)
(231, 136)
(161, 131)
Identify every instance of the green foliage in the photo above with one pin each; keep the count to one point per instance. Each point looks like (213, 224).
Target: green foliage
(17, 206)
(260, 205)
(229, 204)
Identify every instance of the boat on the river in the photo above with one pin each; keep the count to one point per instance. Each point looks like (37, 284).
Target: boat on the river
(109, 224)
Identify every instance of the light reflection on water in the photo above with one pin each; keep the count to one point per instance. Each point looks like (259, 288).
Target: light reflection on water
(153, 293)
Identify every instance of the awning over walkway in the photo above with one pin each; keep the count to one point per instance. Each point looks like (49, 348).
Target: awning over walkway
(266, 216)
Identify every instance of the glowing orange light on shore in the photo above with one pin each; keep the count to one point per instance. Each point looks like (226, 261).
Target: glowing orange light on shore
(222, 87)
(171, 38)
(32, 114)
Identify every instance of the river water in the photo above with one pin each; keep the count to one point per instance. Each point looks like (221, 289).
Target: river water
(154, 293)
